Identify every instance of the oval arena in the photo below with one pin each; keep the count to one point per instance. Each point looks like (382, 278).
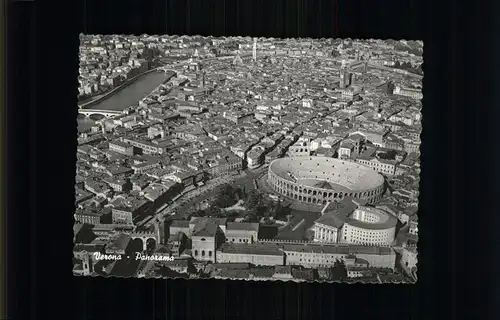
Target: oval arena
(318, 180)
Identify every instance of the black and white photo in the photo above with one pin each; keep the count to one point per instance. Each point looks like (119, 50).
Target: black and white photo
(248, 158)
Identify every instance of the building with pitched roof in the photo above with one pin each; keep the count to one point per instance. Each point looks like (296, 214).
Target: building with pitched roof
(242, 232)
(326, 255)
(259, 254)
(206, 236)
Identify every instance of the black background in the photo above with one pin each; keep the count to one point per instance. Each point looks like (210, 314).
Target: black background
(457, 216)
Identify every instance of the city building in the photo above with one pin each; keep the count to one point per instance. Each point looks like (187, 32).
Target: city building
(205, 240)
(126, 212)
(146, 147)
(326, 255)
(351, 223)
(179, 226)
(409, 260)
(413, 227)
(122, 148)
(242, 232)
(259, 254)
(300, 149)
(238, 118)
(408, 92)
(178, 243)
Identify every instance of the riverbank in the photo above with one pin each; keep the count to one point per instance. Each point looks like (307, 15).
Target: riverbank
(108, 94)
(126, 97)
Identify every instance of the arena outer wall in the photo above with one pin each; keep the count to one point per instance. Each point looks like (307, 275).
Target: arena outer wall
(348, 178)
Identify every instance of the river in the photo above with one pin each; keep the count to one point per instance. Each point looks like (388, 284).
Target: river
(126, 97)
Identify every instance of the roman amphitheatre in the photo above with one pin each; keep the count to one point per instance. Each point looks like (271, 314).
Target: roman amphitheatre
(319, 180)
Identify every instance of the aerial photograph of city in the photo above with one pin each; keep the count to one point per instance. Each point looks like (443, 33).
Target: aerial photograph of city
(248, 158)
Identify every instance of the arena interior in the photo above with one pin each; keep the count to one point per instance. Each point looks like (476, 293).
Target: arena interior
(319, 180)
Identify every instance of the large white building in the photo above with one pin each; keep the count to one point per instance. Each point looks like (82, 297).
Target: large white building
(350, 223)
(387, 167)
(408, 92)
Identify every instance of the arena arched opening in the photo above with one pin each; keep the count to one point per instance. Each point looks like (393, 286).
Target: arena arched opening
(319, 180)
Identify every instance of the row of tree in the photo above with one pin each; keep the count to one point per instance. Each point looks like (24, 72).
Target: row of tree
(257, 207)
(227, 197)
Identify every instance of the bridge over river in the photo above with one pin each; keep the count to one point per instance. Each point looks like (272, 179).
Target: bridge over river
(105, 113)
(131, 94)
(120, 100)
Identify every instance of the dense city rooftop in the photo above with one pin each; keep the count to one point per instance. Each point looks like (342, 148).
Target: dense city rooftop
(178, 134)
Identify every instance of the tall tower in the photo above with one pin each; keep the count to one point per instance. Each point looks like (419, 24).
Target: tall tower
(254, 51)
(87, 264)
(343, 78)
(157, 230)
(347, 78)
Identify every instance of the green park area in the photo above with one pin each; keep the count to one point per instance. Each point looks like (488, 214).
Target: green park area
(237, 202)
